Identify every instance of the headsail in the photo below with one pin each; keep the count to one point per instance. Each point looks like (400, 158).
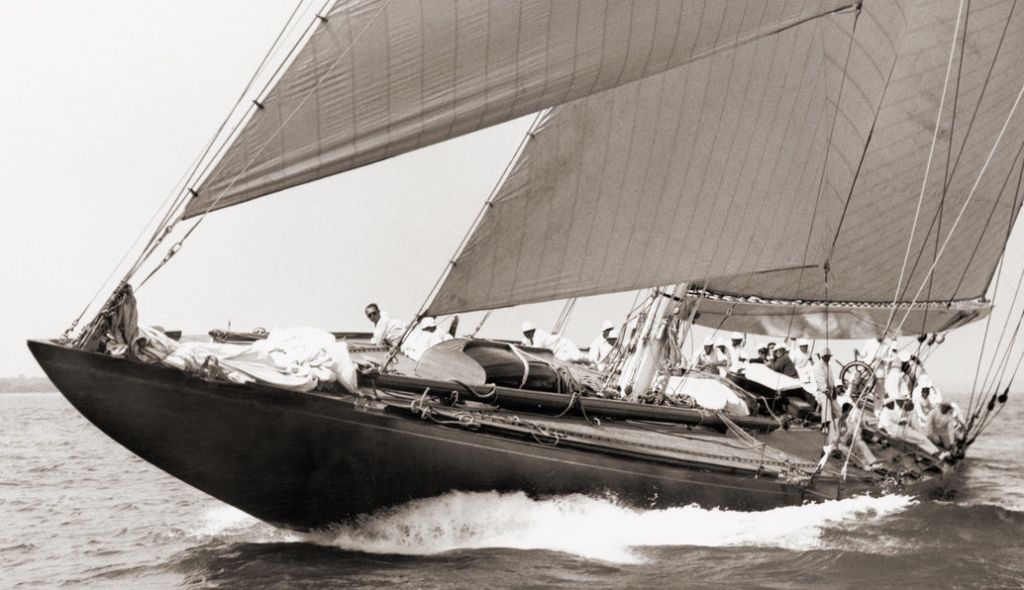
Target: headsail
(380, 78)
(757, 169)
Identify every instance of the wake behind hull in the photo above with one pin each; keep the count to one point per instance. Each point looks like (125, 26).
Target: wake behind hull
(304, 461)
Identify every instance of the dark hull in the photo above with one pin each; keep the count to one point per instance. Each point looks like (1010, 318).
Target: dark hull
(307, 460)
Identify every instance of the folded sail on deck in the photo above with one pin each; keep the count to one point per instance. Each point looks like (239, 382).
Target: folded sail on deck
(379, 78)
(751, 170)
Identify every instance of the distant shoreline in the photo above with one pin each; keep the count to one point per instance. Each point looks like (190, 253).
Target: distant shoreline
(26, 385)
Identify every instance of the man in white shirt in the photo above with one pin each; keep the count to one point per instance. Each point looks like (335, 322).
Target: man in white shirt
(386, 330)
(564, 349)
(804, 363)
(926, 397)
(897, 377)
(822, 372)
(707, 359)
(738, 354)
(423, 337)
(602, 346)
(898, 420)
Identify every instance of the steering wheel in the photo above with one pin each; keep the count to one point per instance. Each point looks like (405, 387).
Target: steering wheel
(858, 379)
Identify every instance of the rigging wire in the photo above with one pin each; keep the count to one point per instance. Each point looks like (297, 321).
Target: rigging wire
(488, 203)
(184, 180)
(207, 160)
(917, 213)
(995, 289)
(273, 136)
(927, 169)
(563, 317)
(967, 201)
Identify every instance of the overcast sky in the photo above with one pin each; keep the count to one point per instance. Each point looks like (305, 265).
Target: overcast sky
(104, 106)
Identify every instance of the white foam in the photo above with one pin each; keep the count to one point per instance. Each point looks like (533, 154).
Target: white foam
(230, 524)
(592, 528)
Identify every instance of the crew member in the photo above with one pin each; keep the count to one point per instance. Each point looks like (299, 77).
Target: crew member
(707, 359)
(386, 330)
(941, 425)
(423, 337)
(602, 346)
(724, 355)
(739, 356)
(926, 397)
(803, 360)
(562, 347)
(898, 378)
(782, 363)
(823, 394)
(898, 419)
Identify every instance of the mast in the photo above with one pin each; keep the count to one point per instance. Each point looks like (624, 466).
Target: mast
(647, 358)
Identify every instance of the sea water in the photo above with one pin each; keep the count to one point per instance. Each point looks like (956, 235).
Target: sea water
(78, 510)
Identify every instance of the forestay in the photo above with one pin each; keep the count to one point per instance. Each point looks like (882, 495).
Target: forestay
(379, 78)
(757, 168)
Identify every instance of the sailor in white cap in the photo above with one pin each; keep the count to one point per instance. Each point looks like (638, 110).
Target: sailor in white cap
(707, 359)
(724, 355)
(898, 384)
(803, 360)
(423, 337)
(602, 346)
(926, 397)
(738, 356)
(564, 349)
(899, 420)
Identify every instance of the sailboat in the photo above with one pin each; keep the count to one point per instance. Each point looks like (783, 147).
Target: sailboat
(834, 169)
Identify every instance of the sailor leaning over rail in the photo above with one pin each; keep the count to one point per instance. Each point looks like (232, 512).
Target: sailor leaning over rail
(899, 420)
(926, 397)
(564, 349)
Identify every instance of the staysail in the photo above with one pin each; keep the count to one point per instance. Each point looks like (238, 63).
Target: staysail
(379, 78)
(757, 169)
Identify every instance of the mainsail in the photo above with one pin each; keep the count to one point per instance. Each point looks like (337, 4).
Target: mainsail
(785, 169)
(379, 78)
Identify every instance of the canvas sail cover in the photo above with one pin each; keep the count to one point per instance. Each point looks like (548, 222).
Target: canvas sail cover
(379, 78)
(753, 170)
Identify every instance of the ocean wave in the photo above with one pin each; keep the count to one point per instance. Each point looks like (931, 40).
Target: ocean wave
(592, 527)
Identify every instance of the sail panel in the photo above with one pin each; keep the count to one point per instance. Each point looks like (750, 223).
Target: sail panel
(381, 78)
(699, 171)
(796, 153)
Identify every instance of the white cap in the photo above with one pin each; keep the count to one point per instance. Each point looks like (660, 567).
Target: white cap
(803, 342)
(924, 381)
(428, 322)
(719, 341)
(527, 326)
(904, 356)
(736, 336)
(613, 334)
(709, 341)
(607, 325)
(893, 347)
